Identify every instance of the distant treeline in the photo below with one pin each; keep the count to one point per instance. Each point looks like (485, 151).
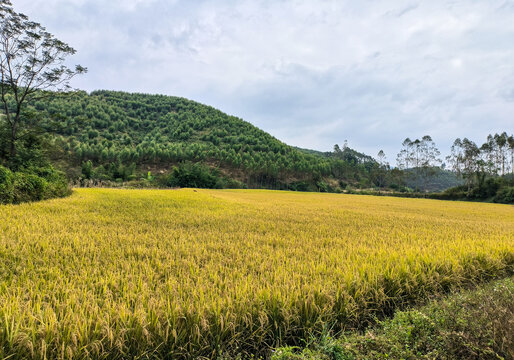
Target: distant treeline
(484, 172)
(109, 138)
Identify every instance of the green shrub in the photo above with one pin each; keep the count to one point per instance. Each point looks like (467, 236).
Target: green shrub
(192, 175)
(228, 183)
(6, 186)
(28, 187)
(505, 195)
(31, 184)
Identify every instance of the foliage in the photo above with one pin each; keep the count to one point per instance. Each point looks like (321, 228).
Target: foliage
(163, 131)
(421, 158)
(31, 185)
(439, 180)
(351, 156)
(31, 63)
(496, 189)
(476, 164)
(189, 175)
(475, 324)
(109, 273)
(6, 186)
(505, 195)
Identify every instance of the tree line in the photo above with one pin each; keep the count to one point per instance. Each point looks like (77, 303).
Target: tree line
(108, 137)
(486, 170)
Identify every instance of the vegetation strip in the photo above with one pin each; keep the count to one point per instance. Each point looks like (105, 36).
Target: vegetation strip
(476, 324)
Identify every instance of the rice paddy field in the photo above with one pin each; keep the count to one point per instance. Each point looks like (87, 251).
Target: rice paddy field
(115, 274)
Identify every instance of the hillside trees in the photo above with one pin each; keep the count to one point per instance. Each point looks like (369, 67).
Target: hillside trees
(149, 130)
(31, 63)
(497, 153)
(420, 155)
(485, 168)
(465, 159)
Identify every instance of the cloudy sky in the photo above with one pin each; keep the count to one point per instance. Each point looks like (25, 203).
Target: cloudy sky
(312, 73)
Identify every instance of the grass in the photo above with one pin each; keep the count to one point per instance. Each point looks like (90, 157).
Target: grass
(475, 324)
(179, 274)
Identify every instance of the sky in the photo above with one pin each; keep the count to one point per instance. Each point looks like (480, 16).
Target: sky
(312, 73)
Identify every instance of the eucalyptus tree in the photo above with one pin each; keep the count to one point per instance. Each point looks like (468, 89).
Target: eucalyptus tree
(404, 157)
(502, 145)
(382, 169)
(465, 160)
(420, 157)
(428, 159)
(510, 141)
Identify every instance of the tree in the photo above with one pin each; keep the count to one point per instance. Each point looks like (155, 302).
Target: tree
(337, 149)
(428, 160)
(31, 67)
(510, 141)
(382, 159)
(488, 152)
(421, 157)
(502, 146)
(465, 159)
(381, 170)
(404, 157)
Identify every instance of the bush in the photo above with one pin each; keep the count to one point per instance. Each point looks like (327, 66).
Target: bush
(198, 175)
(31, 184)
(228, 183)
(301, 186)
(505, 195)
(28, 187)
(193, 176)
(6, 186)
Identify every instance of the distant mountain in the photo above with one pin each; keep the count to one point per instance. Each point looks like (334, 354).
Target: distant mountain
(439, 181)
(113, 130)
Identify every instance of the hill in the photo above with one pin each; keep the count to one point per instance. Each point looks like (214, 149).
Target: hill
(120, 135)
(439, 180)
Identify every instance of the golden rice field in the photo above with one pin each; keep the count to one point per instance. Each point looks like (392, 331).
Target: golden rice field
(122, 274)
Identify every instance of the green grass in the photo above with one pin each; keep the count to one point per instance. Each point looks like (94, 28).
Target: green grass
(475, 324)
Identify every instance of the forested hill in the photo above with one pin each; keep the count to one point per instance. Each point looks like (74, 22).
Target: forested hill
(157, 131)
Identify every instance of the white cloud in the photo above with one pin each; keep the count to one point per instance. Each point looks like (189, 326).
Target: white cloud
(312, 73)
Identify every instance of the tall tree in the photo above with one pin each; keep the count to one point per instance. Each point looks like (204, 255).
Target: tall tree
(488, 152)
(420, 157)
(510, 141)
(382, 168)
(465, 159)
(404, 157)
(382, 159)
(428, 159)
(502, 146)
(31, 65)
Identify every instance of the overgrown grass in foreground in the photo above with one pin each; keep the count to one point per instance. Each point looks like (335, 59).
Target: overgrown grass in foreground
(477, 324)
(156, 273)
